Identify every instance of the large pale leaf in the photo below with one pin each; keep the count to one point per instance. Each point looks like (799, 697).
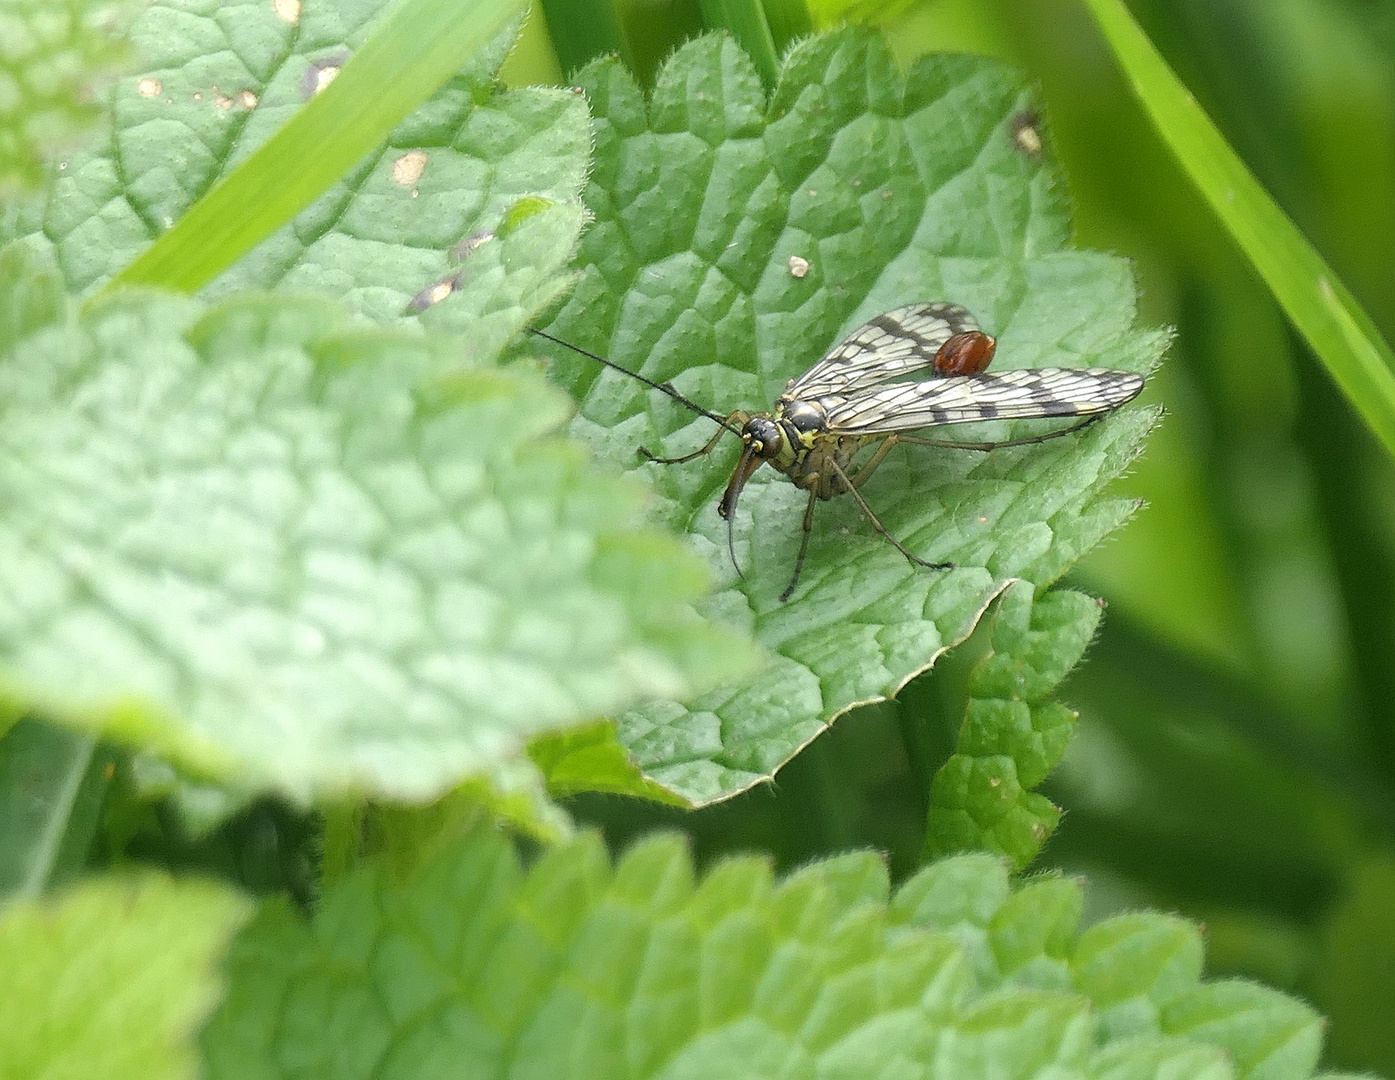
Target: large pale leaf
(735, 240)
(577, 969)
(305, 555)
(51, 55)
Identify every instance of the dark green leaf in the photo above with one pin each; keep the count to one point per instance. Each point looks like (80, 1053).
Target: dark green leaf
(746, 21)
(1012, 735)
(1355, 970)
(891, 189)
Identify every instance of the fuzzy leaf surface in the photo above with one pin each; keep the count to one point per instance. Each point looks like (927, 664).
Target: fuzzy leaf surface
(303, 555)
(577, 968)
(1013, 734)
(52, 56)
(735, 240)
(112, 978)
(220, 79)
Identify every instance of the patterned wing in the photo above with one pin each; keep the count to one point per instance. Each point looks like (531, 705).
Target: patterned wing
(1004, 395)
(893, 344)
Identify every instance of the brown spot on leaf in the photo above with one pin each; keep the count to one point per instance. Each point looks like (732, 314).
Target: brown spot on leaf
(1026, 132)
(463, 249)
(320, 74)
(434, 294)
(407, 169)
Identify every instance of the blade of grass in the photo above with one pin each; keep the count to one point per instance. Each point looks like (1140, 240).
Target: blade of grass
(583, 29)
(652, 29)
(1325, 313)
(52, 786)
(788, 20)
(533, 61)
(419, 44)
(746, 21)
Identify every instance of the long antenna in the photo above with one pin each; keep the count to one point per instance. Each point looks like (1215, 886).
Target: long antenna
(664, 387)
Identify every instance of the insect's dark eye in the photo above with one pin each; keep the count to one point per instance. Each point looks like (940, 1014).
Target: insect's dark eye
(764, 436)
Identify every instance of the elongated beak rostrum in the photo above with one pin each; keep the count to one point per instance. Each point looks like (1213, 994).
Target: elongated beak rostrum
(763, 440)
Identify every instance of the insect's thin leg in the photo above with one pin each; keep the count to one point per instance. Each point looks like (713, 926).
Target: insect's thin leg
(865, 471)
(803, 547)
(1027, 441)
(711, 443)
(731, 546)
(876, 523)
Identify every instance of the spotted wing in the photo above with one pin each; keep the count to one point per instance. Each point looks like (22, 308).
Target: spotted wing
(1006, 395)
(890, 346)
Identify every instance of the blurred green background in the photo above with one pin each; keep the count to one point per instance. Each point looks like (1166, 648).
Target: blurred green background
(1236, 755)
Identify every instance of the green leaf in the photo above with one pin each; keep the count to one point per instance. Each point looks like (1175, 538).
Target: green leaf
(516, 794)
(1324, 311)
(501, 283)
(575, 968)
(1159, 1059)
(52, 786)
(226, 95)
(1012, 735)
(1033, 932)
(32, 297)
(789, 20)
(299, 554)
(52, 782)
(113, 978)
(592, 759)
(963, 892)
(891, 189)
(958, 897)
(52, 56)
(1132, 965)
(1269, 1035)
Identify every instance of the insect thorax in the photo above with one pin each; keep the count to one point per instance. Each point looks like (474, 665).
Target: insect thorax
(800, 425)
(807, 445)
(806, 420)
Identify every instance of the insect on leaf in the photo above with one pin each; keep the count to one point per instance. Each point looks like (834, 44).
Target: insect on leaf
(894, 191)
(826, 417)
